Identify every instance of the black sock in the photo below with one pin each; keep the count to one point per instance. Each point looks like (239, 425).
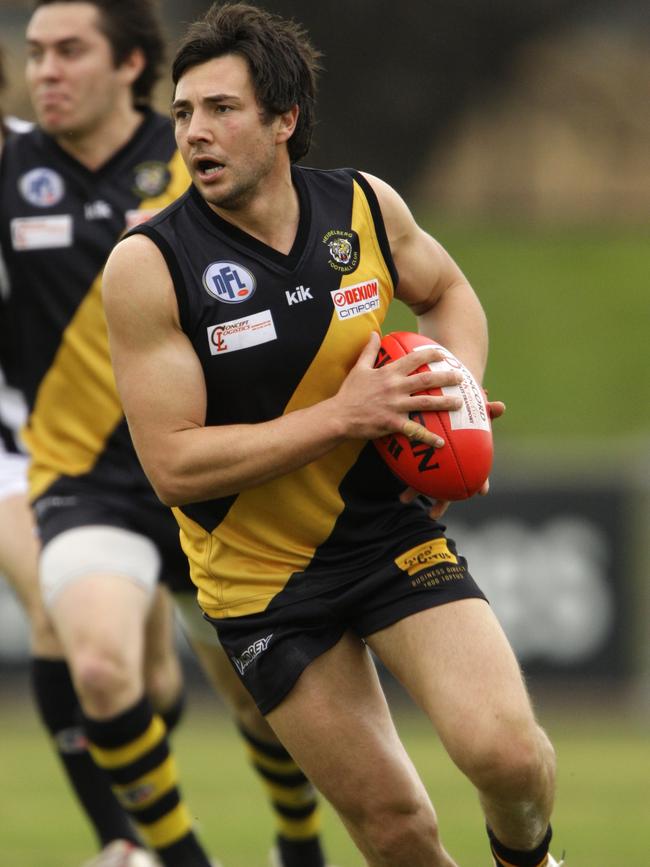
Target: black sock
(293, 801)
(515, 858)
(300, 853)
(133, 748)
(172, 716)
(60, 713)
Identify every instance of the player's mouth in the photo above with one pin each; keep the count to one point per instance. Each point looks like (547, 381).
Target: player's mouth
(207, 169)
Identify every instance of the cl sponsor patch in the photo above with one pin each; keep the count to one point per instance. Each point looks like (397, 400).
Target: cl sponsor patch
(229, 282)
(343, 246)
(41, 233)
(241, 333)
(150, 179)
(422, 556)
(42, 187)
(356, 300)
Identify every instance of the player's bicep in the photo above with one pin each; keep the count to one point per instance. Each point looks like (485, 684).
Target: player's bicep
(158, 374)
(425, 268)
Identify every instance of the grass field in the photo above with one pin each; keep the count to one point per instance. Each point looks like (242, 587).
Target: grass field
(601, 817)
(568, 313)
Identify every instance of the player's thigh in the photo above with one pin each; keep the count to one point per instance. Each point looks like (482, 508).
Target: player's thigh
(160, 632)
(218, 668)
(19, 548)
(456, 662)
(19, 565)
(162, 667)
(98, 583)
(336, 724)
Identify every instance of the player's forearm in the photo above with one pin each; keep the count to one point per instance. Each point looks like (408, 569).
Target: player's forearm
(205, 463)
(458, 322)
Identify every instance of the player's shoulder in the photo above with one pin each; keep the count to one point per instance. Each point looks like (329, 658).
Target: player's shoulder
(134, 261)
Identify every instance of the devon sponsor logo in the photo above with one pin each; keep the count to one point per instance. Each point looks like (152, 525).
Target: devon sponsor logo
(251, 653)
(356, 300)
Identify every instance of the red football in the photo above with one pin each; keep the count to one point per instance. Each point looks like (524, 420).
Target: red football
(459, 469)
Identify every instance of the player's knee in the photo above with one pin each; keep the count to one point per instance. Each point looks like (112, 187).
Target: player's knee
(100, 677)
(513, 764)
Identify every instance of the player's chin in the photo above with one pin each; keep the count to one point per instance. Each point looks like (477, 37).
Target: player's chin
(52, 123)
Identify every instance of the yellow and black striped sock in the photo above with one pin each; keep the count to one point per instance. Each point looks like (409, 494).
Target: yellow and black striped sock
(60, 712)
(505, 857)
(293, 800)
(133, 749)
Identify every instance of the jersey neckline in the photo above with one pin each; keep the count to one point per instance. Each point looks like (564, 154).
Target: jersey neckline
(148, 118)
(288, 260)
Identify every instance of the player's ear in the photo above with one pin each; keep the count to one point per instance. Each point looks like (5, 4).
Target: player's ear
(133, 66)
(287, 124)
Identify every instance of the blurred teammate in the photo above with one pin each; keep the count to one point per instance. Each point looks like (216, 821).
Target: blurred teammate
(18, 546)
(51, 683)
(247, 377)
(99, 161)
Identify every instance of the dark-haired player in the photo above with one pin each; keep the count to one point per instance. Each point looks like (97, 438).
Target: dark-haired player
(248, 380)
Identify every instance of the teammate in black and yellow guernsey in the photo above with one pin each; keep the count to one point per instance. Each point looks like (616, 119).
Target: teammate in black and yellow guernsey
(101, 161)
(243, 323)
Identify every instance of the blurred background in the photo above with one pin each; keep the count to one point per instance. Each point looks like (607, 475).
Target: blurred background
(520, 135)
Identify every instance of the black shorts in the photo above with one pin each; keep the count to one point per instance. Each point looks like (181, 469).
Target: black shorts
(78, 504)
(270, 650)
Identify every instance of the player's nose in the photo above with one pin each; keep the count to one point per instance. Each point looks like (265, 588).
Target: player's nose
(198, 129)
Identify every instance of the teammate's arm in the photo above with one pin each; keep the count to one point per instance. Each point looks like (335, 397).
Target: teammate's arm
(163, 391)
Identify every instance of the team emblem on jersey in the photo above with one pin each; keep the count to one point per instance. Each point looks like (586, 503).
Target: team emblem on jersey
(343, 248)
(229, 282)
(150, 179)
(42, 187)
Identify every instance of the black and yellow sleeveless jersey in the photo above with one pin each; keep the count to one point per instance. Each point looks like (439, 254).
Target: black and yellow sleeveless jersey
(276, 333)
(59, 223)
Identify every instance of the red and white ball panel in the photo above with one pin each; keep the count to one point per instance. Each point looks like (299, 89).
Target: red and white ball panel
(461, 467)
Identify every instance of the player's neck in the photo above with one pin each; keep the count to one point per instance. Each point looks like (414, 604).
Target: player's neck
(95, 147)
(271, 215)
